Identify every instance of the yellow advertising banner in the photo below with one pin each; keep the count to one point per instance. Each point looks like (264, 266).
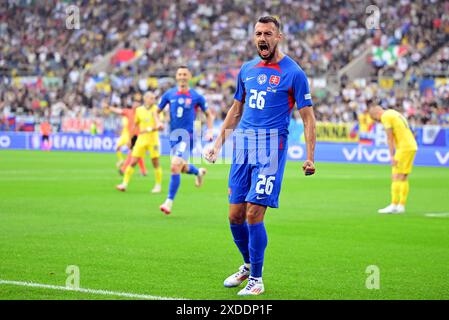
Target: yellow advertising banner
(336, 132)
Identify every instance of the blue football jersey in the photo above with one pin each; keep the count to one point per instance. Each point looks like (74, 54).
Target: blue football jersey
(269, 93)
(182, 107)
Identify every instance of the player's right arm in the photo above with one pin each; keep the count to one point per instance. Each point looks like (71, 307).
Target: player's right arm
(387, 121)
(160, 109)
(230, 123)
(391, 147)
(107, 107)
(163, 102)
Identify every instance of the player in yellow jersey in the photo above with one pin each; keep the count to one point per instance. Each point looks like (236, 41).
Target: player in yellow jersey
(147, 120)
(403, 147)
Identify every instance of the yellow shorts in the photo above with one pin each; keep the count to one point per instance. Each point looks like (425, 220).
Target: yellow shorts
(122, 140)
(144, 144)
(405, 161)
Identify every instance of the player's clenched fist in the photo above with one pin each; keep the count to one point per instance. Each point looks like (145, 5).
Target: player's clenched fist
(159, 126)
(211, 154)
(308, 167)
(209, 136)
(105, 107)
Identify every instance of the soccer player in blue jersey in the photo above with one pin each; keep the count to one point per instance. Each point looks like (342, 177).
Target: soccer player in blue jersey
(267, 90)
(182, 101)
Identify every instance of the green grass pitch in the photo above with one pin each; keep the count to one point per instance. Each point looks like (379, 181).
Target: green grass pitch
(59, 209)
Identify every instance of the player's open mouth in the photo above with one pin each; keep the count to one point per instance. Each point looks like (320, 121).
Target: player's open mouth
(264, 49)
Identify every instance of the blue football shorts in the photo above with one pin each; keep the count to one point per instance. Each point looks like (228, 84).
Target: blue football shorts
(256, 176)
(182, 147)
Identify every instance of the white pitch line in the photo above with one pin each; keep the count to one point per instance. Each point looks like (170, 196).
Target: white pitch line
(83, 290)
(437, 215)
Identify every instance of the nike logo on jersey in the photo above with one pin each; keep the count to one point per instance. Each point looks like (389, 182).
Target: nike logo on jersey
(249, 78)
(260, 198)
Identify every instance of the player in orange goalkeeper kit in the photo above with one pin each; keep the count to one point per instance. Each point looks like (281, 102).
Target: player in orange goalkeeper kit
(45, 129)
(403, 147)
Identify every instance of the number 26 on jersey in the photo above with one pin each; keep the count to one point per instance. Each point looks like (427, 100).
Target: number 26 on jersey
(257, 99)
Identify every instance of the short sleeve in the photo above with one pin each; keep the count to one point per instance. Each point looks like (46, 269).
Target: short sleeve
(386, 120)
(202, 103)
(240, 88)
(164, 101)
(136, 116)
(301, 90)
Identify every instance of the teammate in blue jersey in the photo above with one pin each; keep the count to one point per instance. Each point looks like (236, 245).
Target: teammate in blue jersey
(267, 90)
(183, 101)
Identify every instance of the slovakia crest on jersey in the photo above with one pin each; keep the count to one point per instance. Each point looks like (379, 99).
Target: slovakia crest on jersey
(274, 80)
(188, 101)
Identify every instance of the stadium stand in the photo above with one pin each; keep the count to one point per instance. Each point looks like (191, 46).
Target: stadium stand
(123, 47)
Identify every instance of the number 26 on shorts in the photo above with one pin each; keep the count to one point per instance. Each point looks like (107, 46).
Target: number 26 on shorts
(265, 184)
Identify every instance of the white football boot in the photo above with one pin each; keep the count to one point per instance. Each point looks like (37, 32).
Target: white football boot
(166, 206)
(254, 287)
(119, 163)
(400, 208)
(121, 187)
(156, 189)
(199, 178)
(389, 209)
(237, 278)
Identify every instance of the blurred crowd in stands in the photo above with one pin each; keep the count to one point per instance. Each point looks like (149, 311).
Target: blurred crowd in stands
(49, 67)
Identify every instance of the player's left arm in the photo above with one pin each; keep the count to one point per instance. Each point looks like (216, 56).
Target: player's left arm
(210, 125)
(308, 118)
(135, 124)
(209, 118)
(303, 99)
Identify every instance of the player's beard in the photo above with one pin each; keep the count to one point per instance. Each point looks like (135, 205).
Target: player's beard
(183, 84)
(270, 56)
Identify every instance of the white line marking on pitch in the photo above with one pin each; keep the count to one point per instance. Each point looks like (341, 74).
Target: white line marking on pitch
(91, 291)
(437, 215)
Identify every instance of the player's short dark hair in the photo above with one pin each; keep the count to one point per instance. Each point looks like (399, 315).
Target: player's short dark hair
(272, 19)
(372, 103)
(183, 66)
